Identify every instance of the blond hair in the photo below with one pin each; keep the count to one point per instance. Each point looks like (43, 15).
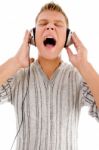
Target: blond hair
(53, 7)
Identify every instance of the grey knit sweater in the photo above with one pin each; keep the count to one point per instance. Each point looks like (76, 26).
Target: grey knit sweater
(47, 110)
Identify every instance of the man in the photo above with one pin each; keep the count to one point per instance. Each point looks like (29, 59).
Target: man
(48, 94)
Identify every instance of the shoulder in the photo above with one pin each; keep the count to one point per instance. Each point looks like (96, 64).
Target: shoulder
(23, 73)
(71, 75)
(69, 68)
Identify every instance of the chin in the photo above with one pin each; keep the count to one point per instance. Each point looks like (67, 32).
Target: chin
(49, 53)
(50, 57)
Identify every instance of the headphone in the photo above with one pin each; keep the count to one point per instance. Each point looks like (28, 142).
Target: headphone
(68, 41)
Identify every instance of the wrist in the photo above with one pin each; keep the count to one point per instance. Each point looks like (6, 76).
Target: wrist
(16, 63)
(88, 72)
(84, 67)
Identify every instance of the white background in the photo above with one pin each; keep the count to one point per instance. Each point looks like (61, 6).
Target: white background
(18, 15)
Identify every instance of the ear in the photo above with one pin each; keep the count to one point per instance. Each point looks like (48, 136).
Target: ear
(68, 38)
(33, 36)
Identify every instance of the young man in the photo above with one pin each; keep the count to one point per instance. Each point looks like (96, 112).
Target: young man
(48, 94)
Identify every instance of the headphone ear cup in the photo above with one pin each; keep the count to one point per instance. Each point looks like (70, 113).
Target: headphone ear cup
(68, 38)
(33, 37)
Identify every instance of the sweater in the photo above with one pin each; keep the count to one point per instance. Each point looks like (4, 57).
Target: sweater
(47, 110)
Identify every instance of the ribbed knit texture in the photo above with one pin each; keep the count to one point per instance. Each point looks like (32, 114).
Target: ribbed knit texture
(51, 107)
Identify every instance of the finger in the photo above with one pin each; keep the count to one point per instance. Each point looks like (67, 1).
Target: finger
(26, 32)
(27, 36)
(77, 43)
(69, 52)
(31, 30)
(31, 40)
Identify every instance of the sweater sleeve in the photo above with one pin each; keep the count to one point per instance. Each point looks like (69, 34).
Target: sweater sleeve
(6, 90)
(88, 100)
(15, 87)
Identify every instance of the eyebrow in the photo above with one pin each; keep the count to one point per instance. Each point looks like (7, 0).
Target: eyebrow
(46, 20)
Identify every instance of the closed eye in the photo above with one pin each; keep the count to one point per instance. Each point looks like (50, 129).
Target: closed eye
(58, 24)
(42, 23)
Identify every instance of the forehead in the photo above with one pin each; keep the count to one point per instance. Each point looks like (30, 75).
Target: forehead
(51, 15)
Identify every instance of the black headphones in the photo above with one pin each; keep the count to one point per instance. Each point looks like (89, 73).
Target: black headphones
(68, 41)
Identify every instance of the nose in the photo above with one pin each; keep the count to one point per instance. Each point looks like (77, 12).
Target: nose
(50, 26)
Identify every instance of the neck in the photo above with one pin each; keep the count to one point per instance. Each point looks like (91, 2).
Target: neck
(49, 66)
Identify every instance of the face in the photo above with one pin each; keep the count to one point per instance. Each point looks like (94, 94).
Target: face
(50, 34)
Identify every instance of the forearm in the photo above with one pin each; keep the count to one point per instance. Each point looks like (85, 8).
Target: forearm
(8, 69)
(92, 79)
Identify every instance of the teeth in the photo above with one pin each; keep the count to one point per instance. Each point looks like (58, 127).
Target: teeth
(48, 37)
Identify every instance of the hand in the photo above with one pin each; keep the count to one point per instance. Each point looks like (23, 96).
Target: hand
(80, 58)
(22, 56)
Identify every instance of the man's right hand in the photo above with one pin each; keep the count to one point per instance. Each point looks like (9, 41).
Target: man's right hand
(20, 60)
(22, 56)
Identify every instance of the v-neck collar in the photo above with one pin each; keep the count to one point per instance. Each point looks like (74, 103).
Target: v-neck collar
(43, 74)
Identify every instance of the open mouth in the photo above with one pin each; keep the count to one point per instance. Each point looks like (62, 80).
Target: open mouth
(49, 42)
